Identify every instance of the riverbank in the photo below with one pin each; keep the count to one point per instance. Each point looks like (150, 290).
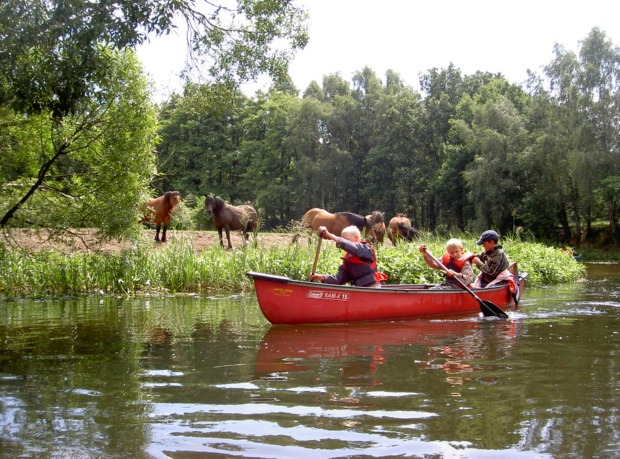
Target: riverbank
(196, 263)
(86, 241)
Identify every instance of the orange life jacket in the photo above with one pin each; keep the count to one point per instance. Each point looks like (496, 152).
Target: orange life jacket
(447, 260)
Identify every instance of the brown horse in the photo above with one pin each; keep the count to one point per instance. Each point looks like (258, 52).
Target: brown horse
(159, 211)
(377, 230)
(400, 227)
(227, 217)
(335, 223)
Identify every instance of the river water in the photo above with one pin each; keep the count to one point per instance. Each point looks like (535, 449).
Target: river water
(196, 377)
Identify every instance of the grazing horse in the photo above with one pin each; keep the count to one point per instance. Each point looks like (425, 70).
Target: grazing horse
(335, 223)
(159, 211)
(377, 230)
(227, 217)
(400, 226)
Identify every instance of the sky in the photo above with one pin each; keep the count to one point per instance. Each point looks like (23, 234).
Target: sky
(411, 37)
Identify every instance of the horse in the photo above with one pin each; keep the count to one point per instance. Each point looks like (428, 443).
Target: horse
(377, 230)
(400, 226)
(338, 221)
(227, 217)
(159, 211)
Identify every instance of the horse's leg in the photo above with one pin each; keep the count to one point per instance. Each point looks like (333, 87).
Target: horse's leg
(246, 235)
(219, 231)
(157, 228)
(163, 233)
(227, 228)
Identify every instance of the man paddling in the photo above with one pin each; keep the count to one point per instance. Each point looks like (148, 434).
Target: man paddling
(359, 265)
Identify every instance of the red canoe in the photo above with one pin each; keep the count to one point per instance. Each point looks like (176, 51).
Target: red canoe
(286, 301)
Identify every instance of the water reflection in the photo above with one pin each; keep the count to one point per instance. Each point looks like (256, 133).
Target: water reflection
(209, 377)
(452, 345)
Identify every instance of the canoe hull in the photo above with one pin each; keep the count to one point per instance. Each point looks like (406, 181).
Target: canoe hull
(287, 301)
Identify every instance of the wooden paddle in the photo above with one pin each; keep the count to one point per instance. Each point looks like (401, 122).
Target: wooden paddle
(316, 257)
(488, 308)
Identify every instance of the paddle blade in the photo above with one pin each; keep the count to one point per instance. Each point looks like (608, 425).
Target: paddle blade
(490, 309)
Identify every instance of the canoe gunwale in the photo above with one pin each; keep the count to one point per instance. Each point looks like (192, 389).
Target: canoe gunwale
(386, 288)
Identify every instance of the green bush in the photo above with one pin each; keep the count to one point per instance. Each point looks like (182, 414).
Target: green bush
(177, 267)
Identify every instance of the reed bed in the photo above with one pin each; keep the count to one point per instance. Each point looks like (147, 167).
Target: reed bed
(176, 267)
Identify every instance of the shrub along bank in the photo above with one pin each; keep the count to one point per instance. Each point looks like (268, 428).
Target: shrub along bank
(176, 267)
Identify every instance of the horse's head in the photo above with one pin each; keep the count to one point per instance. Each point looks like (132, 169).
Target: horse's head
(173, 198)
(377, 217)
(210, 204)
(375, 227)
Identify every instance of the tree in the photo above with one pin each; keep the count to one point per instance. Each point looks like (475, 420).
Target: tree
(390, 184)
(271, 156)
(89, 170)
(199, 148)
(57, 57)
(585, 90)
(443, 90)
(498, 137)
(235, 42)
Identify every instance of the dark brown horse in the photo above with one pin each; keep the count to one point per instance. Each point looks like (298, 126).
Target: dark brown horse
(338, 221)
(159, 211)
(400, 227)
(227, 217)
(377, 230)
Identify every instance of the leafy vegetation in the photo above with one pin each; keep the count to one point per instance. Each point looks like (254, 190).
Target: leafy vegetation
(176, 267)
(82, 144)
(78, 125)
(466, 153)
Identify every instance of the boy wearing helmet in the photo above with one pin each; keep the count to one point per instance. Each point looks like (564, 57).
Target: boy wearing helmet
(492, 262)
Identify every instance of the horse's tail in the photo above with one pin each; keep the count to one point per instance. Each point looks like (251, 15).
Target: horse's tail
(409, 232)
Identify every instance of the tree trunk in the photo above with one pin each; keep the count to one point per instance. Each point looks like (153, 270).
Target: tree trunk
(563, 216)
(40, 179)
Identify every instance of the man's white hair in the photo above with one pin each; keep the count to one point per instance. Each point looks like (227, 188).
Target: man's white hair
(351, 231)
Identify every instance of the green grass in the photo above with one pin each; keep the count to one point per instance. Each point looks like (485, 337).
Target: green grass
(176, 267)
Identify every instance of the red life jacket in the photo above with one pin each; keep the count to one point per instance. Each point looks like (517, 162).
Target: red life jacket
(349, 258)
(446, 260)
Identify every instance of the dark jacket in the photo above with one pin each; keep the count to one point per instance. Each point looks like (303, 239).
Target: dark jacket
(494, 262)
(357, 265)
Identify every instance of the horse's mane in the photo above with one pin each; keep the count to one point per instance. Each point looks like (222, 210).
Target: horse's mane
(377, 217)
(219, 203)
(354, 219)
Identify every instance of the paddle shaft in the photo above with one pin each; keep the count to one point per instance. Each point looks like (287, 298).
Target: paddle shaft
(316, 257)
(488, 308)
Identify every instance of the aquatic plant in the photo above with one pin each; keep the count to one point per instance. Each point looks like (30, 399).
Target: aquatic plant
(178, 267)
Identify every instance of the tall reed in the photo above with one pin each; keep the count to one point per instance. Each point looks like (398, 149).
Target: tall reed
(177, 267)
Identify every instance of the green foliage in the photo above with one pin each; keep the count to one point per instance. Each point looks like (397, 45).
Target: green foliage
(176, 267)
(468, 152)
(51, 59)
(87, 159)
(90, 169)
(545, 265)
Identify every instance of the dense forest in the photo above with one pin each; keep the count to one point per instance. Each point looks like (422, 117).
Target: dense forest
(467, 152)
(83, 144)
